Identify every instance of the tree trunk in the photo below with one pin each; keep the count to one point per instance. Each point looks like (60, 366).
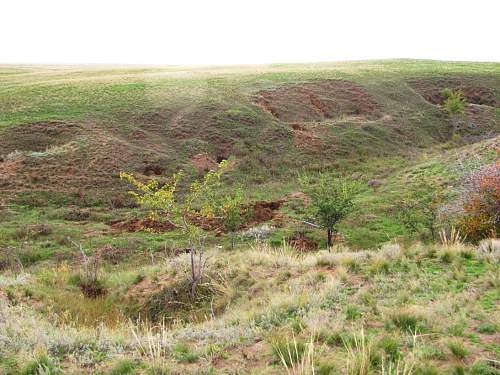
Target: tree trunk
(329, 238)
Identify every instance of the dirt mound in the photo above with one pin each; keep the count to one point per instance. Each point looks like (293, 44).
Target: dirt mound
(263, 211)
(136, 225)
(303, 243)
(203, 163)
(37, 137)
(305, 139)
(318, 100)
(432, 91)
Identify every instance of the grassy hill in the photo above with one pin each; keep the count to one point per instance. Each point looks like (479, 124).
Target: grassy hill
(66, 132)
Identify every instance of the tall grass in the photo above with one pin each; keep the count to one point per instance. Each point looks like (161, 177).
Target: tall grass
(296, 357)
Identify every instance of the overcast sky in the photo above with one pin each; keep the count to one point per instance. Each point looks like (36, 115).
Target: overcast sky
(254, 31)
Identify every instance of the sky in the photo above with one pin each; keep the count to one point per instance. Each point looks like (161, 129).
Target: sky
(246, 32)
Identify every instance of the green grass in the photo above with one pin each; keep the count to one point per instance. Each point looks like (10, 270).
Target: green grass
(425, 303)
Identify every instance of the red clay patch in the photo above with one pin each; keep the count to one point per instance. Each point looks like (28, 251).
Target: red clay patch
(432, 91)
(203, 163)
(318, 100)
(305, 139)
(303, 243)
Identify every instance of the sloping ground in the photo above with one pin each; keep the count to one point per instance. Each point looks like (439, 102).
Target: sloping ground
(271, 125)
(432, 90)
(430, 308)
(318, 100)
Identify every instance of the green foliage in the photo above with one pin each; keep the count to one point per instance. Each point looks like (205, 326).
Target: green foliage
(124, 367)
(454, 101)
(232, 212)
(458, 349)
(183, 353)
(289, 352)
(352, 312)
(332, 199)
(43, 364)
(488, 328)
(484, 368)
(407, 321)
(419, 211)
(167, 202)
(391, 346)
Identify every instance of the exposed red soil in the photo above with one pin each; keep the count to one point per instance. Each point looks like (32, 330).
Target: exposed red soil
(203, 163)
(318, 100)
(305, 139)
(303, 243)
(432, 91)
(264, 211)
(136, 225)
(260, 211)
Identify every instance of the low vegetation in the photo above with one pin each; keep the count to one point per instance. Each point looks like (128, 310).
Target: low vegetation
(328, 219)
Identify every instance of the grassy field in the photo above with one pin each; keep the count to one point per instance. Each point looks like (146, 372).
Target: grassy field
(385, 300)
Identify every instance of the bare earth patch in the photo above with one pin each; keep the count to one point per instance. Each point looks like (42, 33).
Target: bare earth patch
(317, 101)
(432, 91)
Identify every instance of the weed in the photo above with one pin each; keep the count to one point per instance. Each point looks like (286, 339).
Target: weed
(352, 312)
(361, 355)
(391, 346)
(488, 328)
(484, 368)
(297, 357)
(458, 349)
(124, 367)
(408, 320)
(43, 364)
(454, 101)
(183, 353)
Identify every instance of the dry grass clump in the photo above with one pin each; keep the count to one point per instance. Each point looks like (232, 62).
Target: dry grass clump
(489, 249)
(296, 356)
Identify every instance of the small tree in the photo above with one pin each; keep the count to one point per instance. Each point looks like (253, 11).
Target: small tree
(165, 201)
(233, 213)
(332, 199)
(454, 102)
(420, 211)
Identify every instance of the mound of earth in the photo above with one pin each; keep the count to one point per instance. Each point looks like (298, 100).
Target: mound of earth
(37, 137)
(318, 100)
(303, 243)
(68, 157)
(432, 91)
(203, 163)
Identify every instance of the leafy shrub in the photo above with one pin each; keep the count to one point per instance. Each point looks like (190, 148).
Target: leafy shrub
(454, 101)
(480, 219)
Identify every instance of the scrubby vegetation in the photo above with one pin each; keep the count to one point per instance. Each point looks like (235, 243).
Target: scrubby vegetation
(209, 255)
